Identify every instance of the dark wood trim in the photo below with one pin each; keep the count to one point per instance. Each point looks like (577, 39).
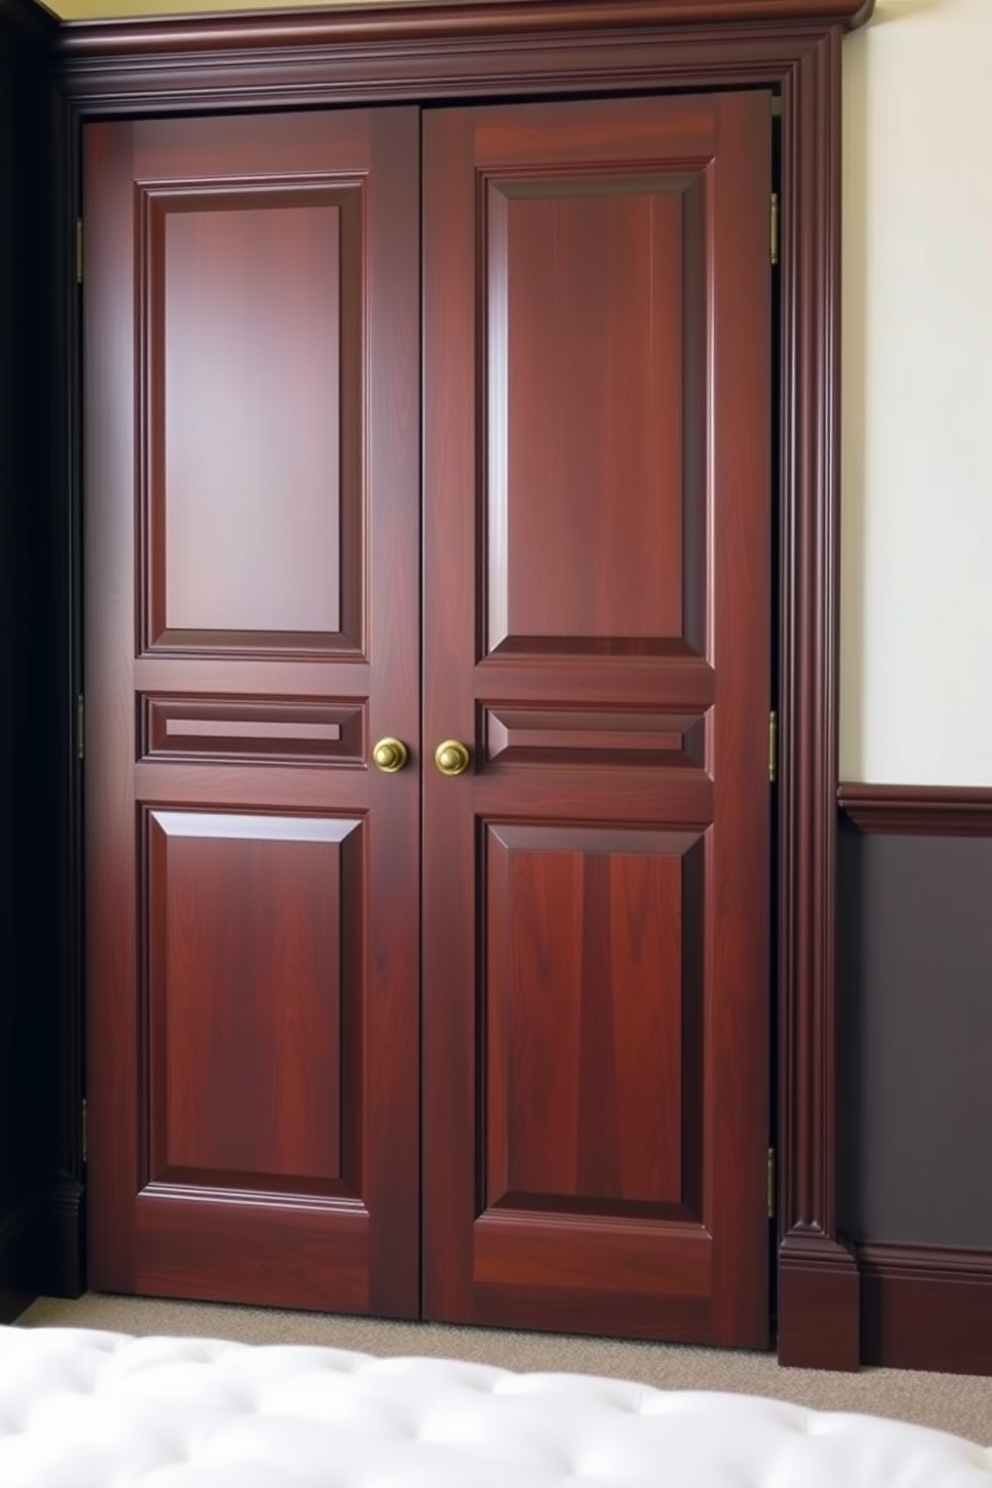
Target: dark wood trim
(435, 51)
(425, 52)
(18, 1225)
(424, 22)
(42, 1247)
(60, 1265)
(919, 810)
(927, 1308)
(819, 1301)
(818, 1284)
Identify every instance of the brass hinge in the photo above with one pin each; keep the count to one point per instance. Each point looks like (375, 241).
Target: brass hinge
(774, 228)
(80, 726)
(79, 250)
(772, 746)
(771, 1183)
(84, 1136)
(776, 105)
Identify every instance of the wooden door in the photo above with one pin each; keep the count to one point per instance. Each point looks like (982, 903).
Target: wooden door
(251, 311)
(597, 542)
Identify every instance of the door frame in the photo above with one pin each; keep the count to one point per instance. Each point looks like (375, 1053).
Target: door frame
(413, 52)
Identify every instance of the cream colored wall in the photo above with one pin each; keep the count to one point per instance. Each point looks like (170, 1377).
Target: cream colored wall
(916, 612)
(917, 406)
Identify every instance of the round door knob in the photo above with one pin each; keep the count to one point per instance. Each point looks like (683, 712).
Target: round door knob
(452, 757)
(390, 755)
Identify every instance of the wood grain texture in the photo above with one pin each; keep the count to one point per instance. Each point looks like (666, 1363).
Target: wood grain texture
(585, 344)
(248, 1080)
(926, 1308)
(561, 736)
(249, 1252)
(918, 810)
(245, 292)
(437, 51)
(571, 981)
(238, 728)
(254, 1018)
(414, 21)
(818, 1307)
(584, 993)
(819, 1304)
(208, 66)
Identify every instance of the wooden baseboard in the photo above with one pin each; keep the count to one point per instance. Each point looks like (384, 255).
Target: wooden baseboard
(61, 1240)
(18, 1228)
(926, 1308)
(41, 1247)
(918, 810)
(818, 1304)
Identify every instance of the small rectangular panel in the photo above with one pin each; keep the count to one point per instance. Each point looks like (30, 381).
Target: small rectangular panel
(584, 1017)
(585, 294)
(284, 730)
(560, 736)
(252, 320)
(246, 952)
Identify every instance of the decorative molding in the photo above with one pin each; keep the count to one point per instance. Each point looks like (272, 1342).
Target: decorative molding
(414, 21)
(818, 1278)
(819, 1304)
(927, 1308)
(431, 52)
(389, 53)
(919, 810)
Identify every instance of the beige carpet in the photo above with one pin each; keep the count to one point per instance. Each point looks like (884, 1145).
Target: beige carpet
(957, 1403)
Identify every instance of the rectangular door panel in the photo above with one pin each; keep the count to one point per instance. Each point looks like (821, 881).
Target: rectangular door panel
(245, 1085)
(246, 297)
(583, 1041)
(585, 372)
(597, 633)
(252, 627)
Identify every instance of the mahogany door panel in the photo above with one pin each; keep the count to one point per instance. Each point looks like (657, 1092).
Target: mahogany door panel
(597, 632)
(252, 592)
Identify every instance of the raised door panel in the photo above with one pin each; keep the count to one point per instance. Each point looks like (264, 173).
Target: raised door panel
(597, 548)
(252, 626)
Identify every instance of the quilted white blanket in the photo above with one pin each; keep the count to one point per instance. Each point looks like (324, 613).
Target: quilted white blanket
(82, 1409)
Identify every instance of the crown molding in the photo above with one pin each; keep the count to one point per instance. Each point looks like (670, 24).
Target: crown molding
(405, 21)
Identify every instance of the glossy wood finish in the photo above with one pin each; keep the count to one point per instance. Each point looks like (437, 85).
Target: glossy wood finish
(918, 810)
(253, 938)
(416, 25)
(818, 1296)
(366, 54)
(585, 399)
(927, 1308)
(256, 476)
(596, 956)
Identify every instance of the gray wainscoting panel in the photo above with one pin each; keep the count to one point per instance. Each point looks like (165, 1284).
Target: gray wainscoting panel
(915, 1039)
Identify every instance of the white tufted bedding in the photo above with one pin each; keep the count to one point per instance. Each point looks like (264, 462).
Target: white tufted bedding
(82, 1409)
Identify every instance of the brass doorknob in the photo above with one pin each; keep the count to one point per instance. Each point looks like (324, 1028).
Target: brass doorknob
(390, 755)
(452, 757)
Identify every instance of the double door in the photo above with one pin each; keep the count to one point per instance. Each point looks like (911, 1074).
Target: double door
(427, 509)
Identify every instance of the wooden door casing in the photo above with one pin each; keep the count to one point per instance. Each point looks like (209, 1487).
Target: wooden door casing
(252, 489)
(597, 628)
